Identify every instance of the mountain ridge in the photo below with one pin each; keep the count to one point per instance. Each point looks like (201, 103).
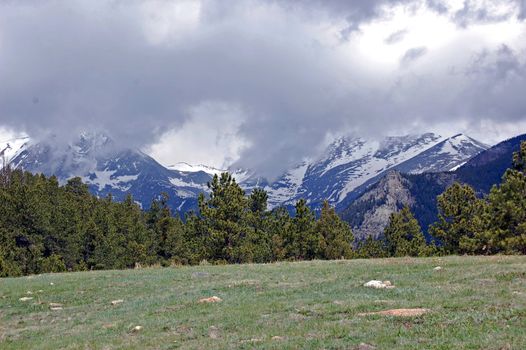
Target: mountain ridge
(347, 165)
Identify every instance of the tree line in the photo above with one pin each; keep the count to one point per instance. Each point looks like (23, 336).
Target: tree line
(48, 227)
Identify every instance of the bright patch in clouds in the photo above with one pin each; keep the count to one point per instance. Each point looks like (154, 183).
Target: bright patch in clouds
(169, 21)
(210, 136)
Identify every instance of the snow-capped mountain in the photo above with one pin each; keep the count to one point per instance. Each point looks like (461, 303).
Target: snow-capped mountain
(344, 171)
(447, 155)
(10, 148)
(109, 169)
(349, 165)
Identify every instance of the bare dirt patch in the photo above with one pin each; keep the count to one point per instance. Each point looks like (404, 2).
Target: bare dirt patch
(398, 312)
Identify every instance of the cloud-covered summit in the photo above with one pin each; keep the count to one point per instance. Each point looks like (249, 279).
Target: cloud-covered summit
(260, 84)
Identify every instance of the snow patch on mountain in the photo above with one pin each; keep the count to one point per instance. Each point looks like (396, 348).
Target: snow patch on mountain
(189, 168)
(104, 178)
(12, 147)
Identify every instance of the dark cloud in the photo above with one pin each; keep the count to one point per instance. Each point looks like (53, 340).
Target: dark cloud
(134, 69)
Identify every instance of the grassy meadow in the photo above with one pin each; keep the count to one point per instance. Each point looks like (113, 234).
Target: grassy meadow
(473, 303)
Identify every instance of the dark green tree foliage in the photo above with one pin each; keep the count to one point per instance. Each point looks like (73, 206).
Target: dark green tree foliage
(225, 215)
(46, 227)
(301, 241)
(495, 224)
(459, 218)
(371, 248)
(337, 237)
(403, 235)
(506, 210)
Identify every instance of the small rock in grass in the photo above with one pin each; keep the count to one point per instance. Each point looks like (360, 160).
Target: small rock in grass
(278, 337)
(51, 283)
(55, 305)
(29, 292)
(364, 346)
(56, 308)
(213, 299)
(137, 329)
(253, 340)
(438, 268)
(25, 298)
(379, 284)
(117, 302)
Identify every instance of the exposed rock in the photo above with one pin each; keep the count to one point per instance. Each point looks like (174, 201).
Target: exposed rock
(398, 312)
(364, 346)
(137, 329)
(117, 302)
(55, 305)
(438, 268)
(278, 337)
(376, 205)
(379, 284)
(253, 340)
(213, 299)
(26, 298)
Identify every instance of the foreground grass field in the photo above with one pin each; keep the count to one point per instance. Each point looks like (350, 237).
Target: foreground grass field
(474, 302)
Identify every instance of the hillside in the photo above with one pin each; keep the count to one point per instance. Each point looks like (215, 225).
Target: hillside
(369, 213)
(473, 303)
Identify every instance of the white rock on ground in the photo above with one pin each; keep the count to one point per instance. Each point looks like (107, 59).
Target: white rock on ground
(379, 284)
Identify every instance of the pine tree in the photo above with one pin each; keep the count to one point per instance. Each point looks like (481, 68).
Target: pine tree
(258, 219)
(460, 220)
(225, 214)
(403, 235)
(302, 241)
(506, 214)
(337, 235)
(371, 248)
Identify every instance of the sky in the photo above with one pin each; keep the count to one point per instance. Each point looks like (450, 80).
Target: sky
(260, 84)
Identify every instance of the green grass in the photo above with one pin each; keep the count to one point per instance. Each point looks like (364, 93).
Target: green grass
(475, 302)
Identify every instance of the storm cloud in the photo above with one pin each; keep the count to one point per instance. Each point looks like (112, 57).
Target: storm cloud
(258, 83)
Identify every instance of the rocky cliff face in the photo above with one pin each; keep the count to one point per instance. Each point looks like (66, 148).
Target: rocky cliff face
(370, 213)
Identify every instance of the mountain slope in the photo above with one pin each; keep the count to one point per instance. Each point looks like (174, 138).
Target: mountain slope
(481, 172)
(349, 165)
(344, 171)
(109, 169)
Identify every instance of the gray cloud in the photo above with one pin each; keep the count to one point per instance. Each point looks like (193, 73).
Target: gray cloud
(396, 37)
(412, 55)
(124, 68)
